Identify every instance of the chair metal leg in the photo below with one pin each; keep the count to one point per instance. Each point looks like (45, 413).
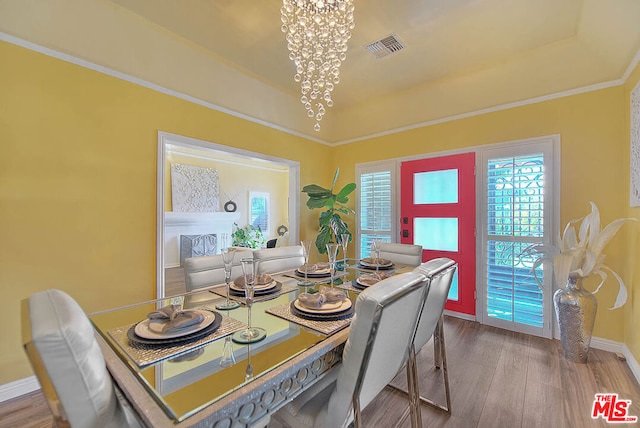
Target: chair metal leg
(357, 416)
(437, 346)
(412, 372)
(414, 390)
(445, 371)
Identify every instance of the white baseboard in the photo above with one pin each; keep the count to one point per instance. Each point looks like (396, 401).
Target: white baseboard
(606, 344)
(612, 346)
(631, 362)
(17, 388)
(460, 315)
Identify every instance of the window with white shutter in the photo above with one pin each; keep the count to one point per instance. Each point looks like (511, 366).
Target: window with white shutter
(375, 205)
(518, 206)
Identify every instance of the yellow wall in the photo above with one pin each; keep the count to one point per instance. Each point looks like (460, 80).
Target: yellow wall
(632, 268)
(78, 177)
(78, 183)
(593, 147)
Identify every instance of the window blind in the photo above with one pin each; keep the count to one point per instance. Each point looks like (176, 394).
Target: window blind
(515, 219)
(376, 211)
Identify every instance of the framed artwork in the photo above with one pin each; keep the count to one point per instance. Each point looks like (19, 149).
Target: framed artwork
(635, 147)
(194, 189)
(259, 211)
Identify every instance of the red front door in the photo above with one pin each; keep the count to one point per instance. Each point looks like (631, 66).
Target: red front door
(438, 211)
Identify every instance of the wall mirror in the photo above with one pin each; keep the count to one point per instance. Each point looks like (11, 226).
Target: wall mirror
(205, 189)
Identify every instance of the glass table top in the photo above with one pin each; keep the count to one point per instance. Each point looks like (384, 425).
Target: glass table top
(193, 378)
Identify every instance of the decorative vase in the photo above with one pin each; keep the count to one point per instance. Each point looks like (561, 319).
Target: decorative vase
(576, 313)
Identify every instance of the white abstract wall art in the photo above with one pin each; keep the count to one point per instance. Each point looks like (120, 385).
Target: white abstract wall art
(635, 147)
(194, 189)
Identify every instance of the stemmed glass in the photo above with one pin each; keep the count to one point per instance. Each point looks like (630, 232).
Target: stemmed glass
(250, 334)
(375, 246)
(332, 252)
(227, 259)
(248, 372)
(306, 249)
(227, 359)
(344, 241)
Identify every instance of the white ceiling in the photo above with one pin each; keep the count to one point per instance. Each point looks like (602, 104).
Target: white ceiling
(461, 56)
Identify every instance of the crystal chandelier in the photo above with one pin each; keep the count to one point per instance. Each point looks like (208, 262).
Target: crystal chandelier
(317, 32)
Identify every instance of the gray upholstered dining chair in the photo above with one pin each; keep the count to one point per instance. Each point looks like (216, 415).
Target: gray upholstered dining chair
(407, 254)
(278, 259)
(383, 327)
(66, 358)
(439, 273)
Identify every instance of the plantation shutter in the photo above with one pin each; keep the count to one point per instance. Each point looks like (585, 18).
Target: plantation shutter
(375, 206)
(515, 220)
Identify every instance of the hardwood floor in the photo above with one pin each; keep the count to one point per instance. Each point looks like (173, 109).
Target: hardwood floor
(498, 379)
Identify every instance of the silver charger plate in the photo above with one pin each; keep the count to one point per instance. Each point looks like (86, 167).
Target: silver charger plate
(143, 328)
(135, 339)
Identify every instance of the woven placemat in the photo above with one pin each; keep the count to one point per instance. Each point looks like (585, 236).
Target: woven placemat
(143, 355)
(324, 327)
(286, 288)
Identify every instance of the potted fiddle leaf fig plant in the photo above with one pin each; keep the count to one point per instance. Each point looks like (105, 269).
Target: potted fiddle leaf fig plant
(333, 204)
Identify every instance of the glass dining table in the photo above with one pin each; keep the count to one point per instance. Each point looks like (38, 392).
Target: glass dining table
(210, 379)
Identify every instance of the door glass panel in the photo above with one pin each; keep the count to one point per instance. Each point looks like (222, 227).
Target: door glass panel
(436, 187)
(453, 291)
(433, 233)
(513, 293)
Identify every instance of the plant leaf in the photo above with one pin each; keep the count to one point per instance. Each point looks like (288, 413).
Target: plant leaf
(561, 268)
(621, 298)
(335, 178)
(323, 238)
(313, 203)
(325, 218)
(345, 191)
(315, 190)
(330, 201)
(607, 233)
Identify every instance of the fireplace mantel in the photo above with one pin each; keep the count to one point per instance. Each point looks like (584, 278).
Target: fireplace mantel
(192, 223)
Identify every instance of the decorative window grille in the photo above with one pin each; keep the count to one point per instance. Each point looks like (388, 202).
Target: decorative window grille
(515, 220)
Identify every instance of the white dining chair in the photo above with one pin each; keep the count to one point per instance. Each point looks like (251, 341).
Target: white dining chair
(66, 358)
(439, 273)
(206, 271)
(383, 327)
(407, 254)
(278, 259)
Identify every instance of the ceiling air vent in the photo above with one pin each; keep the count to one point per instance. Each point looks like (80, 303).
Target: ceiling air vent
(385, 46)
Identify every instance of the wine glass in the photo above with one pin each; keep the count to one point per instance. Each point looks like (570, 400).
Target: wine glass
(227, 359)
(248, 372)
(250, 334)
(306, 249)
(344, 241)
(227, 259)
(332, 252)
(375, 247)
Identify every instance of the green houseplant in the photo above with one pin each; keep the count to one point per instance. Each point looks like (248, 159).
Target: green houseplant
(331, 223)
(248, 236)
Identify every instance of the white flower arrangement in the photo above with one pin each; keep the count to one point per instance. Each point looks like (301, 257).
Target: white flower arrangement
(580, 253)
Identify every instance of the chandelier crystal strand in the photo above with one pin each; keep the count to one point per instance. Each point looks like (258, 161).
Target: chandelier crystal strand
(317, 32)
